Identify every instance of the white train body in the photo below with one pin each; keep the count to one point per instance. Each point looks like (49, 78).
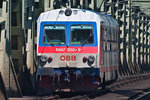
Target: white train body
(78, 47)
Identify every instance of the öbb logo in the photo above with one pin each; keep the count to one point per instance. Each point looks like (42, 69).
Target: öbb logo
(68, 58)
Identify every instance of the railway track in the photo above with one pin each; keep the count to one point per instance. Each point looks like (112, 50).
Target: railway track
(121, 82)
(128, 80)
(141, 96)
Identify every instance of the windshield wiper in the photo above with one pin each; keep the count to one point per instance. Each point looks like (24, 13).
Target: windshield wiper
(49, 40)
(86, 40)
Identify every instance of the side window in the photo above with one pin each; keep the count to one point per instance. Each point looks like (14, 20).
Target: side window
(105, 33)
(111, 44)
(106, 36)
(104, 46)
(108, 46)
(109, 32)
(114, 31)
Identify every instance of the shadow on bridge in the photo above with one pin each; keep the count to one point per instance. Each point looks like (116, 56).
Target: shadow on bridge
(2, 90)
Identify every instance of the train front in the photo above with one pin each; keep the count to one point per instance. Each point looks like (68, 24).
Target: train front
(68, 53)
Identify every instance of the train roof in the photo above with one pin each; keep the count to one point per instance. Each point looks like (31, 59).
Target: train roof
(76, 15)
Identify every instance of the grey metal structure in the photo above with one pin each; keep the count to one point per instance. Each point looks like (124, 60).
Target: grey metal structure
(17, 39)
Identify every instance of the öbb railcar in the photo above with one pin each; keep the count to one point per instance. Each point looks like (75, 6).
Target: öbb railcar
(77, 49)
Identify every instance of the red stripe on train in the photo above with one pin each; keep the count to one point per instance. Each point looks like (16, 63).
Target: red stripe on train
(45, 49)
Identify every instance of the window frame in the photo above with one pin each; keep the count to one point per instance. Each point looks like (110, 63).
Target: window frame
(53, 25)
(78, 25)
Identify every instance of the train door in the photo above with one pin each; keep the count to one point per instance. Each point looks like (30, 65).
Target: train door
(109, 56)
(106, 48)
(102, 56)
(108, 51)
(105, 52)
(111, 49)
(114, 51)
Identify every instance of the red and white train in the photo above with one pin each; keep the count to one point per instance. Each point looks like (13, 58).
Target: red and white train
(77, 49)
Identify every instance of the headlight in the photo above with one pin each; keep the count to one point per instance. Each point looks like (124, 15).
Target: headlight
(91, 59)
(43, 58)
(85, 59)
(50, 59)
(68, 12)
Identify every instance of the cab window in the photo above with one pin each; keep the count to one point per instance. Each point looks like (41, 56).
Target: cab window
(82, 34)
(54, 34)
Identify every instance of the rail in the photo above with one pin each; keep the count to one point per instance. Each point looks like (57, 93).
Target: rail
(140, 96)
(119, 83)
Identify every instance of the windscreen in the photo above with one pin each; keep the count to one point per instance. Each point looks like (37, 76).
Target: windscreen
(54, 34)
(81, 34)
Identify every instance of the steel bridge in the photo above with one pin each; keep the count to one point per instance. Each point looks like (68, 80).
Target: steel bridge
(18, 36)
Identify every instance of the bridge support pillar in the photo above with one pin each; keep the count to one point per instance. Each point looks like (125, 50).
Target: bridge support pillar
(6, 65)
